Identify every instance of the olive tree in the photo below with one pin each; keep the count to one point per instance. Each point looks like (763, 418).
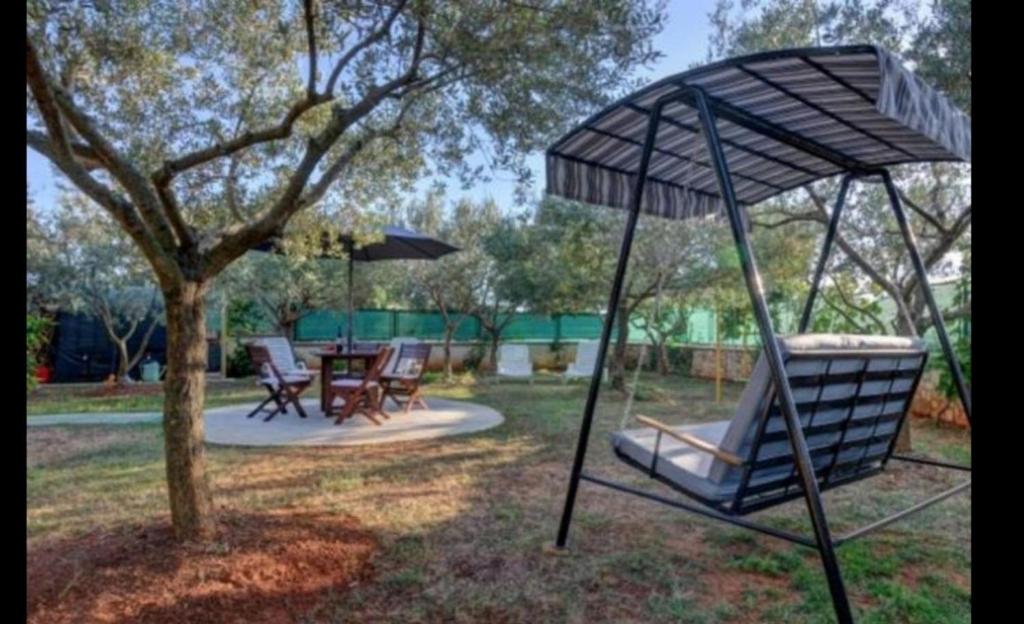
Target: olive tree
(202, 128)
(79, 260)
(452, 283)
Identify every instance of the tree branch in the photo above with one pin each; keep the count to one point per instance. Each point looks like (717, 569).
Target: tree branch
(282, 130)
(839, 310)
(367, 41)
(84, 155)
(309, 15)
(235, 240)
(863, 264)
(924, 214)
(62, 156)
(849, 303)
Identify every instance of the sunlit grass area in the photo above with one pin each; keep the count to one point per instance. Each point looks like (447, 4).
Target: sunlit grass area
(463, 522)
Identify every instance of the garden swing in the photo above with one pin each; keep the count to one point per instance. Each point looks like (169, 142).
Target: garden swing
(820, 410)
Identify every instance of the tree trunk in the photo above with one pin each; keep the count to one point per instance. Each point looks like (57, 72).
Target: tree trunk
(663, 365)
(493, 356)
(903, 440)
(184, 389)
(122, 359)
(448, 332)
(617, 369)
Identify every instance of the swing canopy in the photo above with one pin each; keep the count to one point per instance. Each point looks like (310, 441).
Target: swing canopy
(785, 118)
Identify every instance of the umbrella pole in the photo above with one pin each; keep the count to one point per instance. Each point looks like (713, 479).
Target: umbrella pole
(349, 332)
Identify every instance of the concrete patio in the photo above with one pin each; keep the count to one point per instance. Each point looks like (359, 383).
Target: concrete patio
(229, 425)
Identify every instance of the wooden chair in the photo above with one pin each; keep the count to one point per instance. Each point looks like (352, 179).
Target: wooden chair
(363, 394)
(284, 386)
(403, 380)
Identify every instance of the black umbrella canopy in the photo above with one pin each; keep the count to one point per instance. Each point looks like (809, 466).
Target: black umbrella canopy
(398, 244)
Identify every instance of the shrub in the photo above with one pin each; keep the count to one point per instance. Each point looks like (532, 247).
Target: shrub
(239, 364)
(962, 349)
(37, 335)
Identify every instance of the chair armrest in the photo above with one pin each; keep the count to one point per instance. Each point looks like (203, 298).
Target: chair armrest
(692, 440)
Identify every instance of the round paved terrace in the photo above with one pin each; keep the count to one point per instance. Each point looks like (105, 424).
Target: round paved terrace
(229, 425)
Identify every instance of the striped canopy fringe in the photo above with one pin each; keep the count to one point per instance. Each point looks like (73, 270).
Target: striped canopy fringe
(859, 102)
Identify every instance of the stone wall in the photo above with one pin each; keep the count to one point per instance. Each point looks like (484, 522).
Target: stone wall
(737, 363)
(929, 402)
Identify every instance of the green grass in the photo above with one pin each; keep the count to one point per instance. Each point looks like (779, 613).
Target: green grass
(463, 521)
(57, 400)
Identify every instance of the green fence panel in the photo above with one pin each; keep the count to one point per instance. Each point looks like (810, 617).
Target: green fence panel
(320, 325)
(579, 326)
(373, 325)
(430, 326)
(540, 327)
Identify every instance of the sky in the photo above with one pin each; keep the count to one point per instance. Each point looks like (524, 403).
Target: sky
(683, 42)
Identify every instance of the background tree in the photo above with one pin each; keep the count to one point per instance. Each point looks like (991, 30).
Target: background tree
(202, 128)
(452, 284)
(288, 288)
(82, 261)
(511, 279)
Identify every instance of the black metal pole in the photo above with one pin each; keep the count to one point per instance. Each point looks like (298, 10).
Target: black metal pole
(350, 312)
(778, 367)
(826, 250)
(609, 322)
(933, 309)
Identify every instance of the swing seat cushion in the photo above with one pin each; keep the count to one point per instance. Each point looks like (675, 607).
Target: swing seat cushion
(679, 463)
(853, 421)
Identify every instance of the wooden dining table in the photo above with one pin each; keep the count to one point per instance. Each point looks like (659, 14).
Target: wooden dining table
(327, 360)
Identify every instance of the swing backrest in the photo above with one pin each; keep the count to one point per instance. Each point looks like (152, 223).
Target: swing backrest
(852, 394)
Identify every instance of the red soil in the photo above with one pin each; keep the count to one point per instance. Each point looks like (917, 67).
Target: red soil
(258, 569)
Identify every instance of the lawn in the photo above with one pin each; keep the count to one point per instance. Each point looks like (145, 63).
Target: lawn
(461, 523)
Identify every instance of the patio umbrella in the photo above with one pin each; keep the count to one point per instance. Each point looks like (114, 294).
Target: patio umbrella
(398, 244)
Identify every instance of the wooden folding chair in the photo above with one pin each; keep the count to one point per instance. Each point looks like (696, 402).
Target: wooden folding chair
(284, 388)
(362, 394)
(404, 379)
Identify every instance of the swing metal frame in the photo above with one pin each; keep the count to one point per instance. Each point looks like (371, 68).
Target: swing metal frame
(710, 109)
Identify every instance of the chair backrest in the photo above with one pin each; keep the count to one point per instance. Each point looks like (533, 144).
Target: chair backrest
(374, 371)
(396, 345)
(411, 361)
(264, 364)
(586, 354)
(514, 354)
(852, 394)
(280, 352)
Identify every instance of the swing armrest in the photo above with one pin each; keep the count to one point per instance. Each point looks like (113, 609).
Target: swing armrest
(691, 440)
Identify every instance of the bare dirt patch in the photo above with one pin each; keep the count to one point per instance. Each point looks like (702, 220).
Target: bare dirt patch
(258, 569)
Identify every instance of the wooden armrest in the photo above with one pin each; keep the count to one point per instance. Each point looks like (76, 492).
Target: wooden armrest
(692, 440)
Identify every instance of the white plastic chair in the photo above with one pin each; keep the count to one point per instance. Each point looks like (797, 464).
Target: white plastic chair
(514, 361)
(586, 360)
